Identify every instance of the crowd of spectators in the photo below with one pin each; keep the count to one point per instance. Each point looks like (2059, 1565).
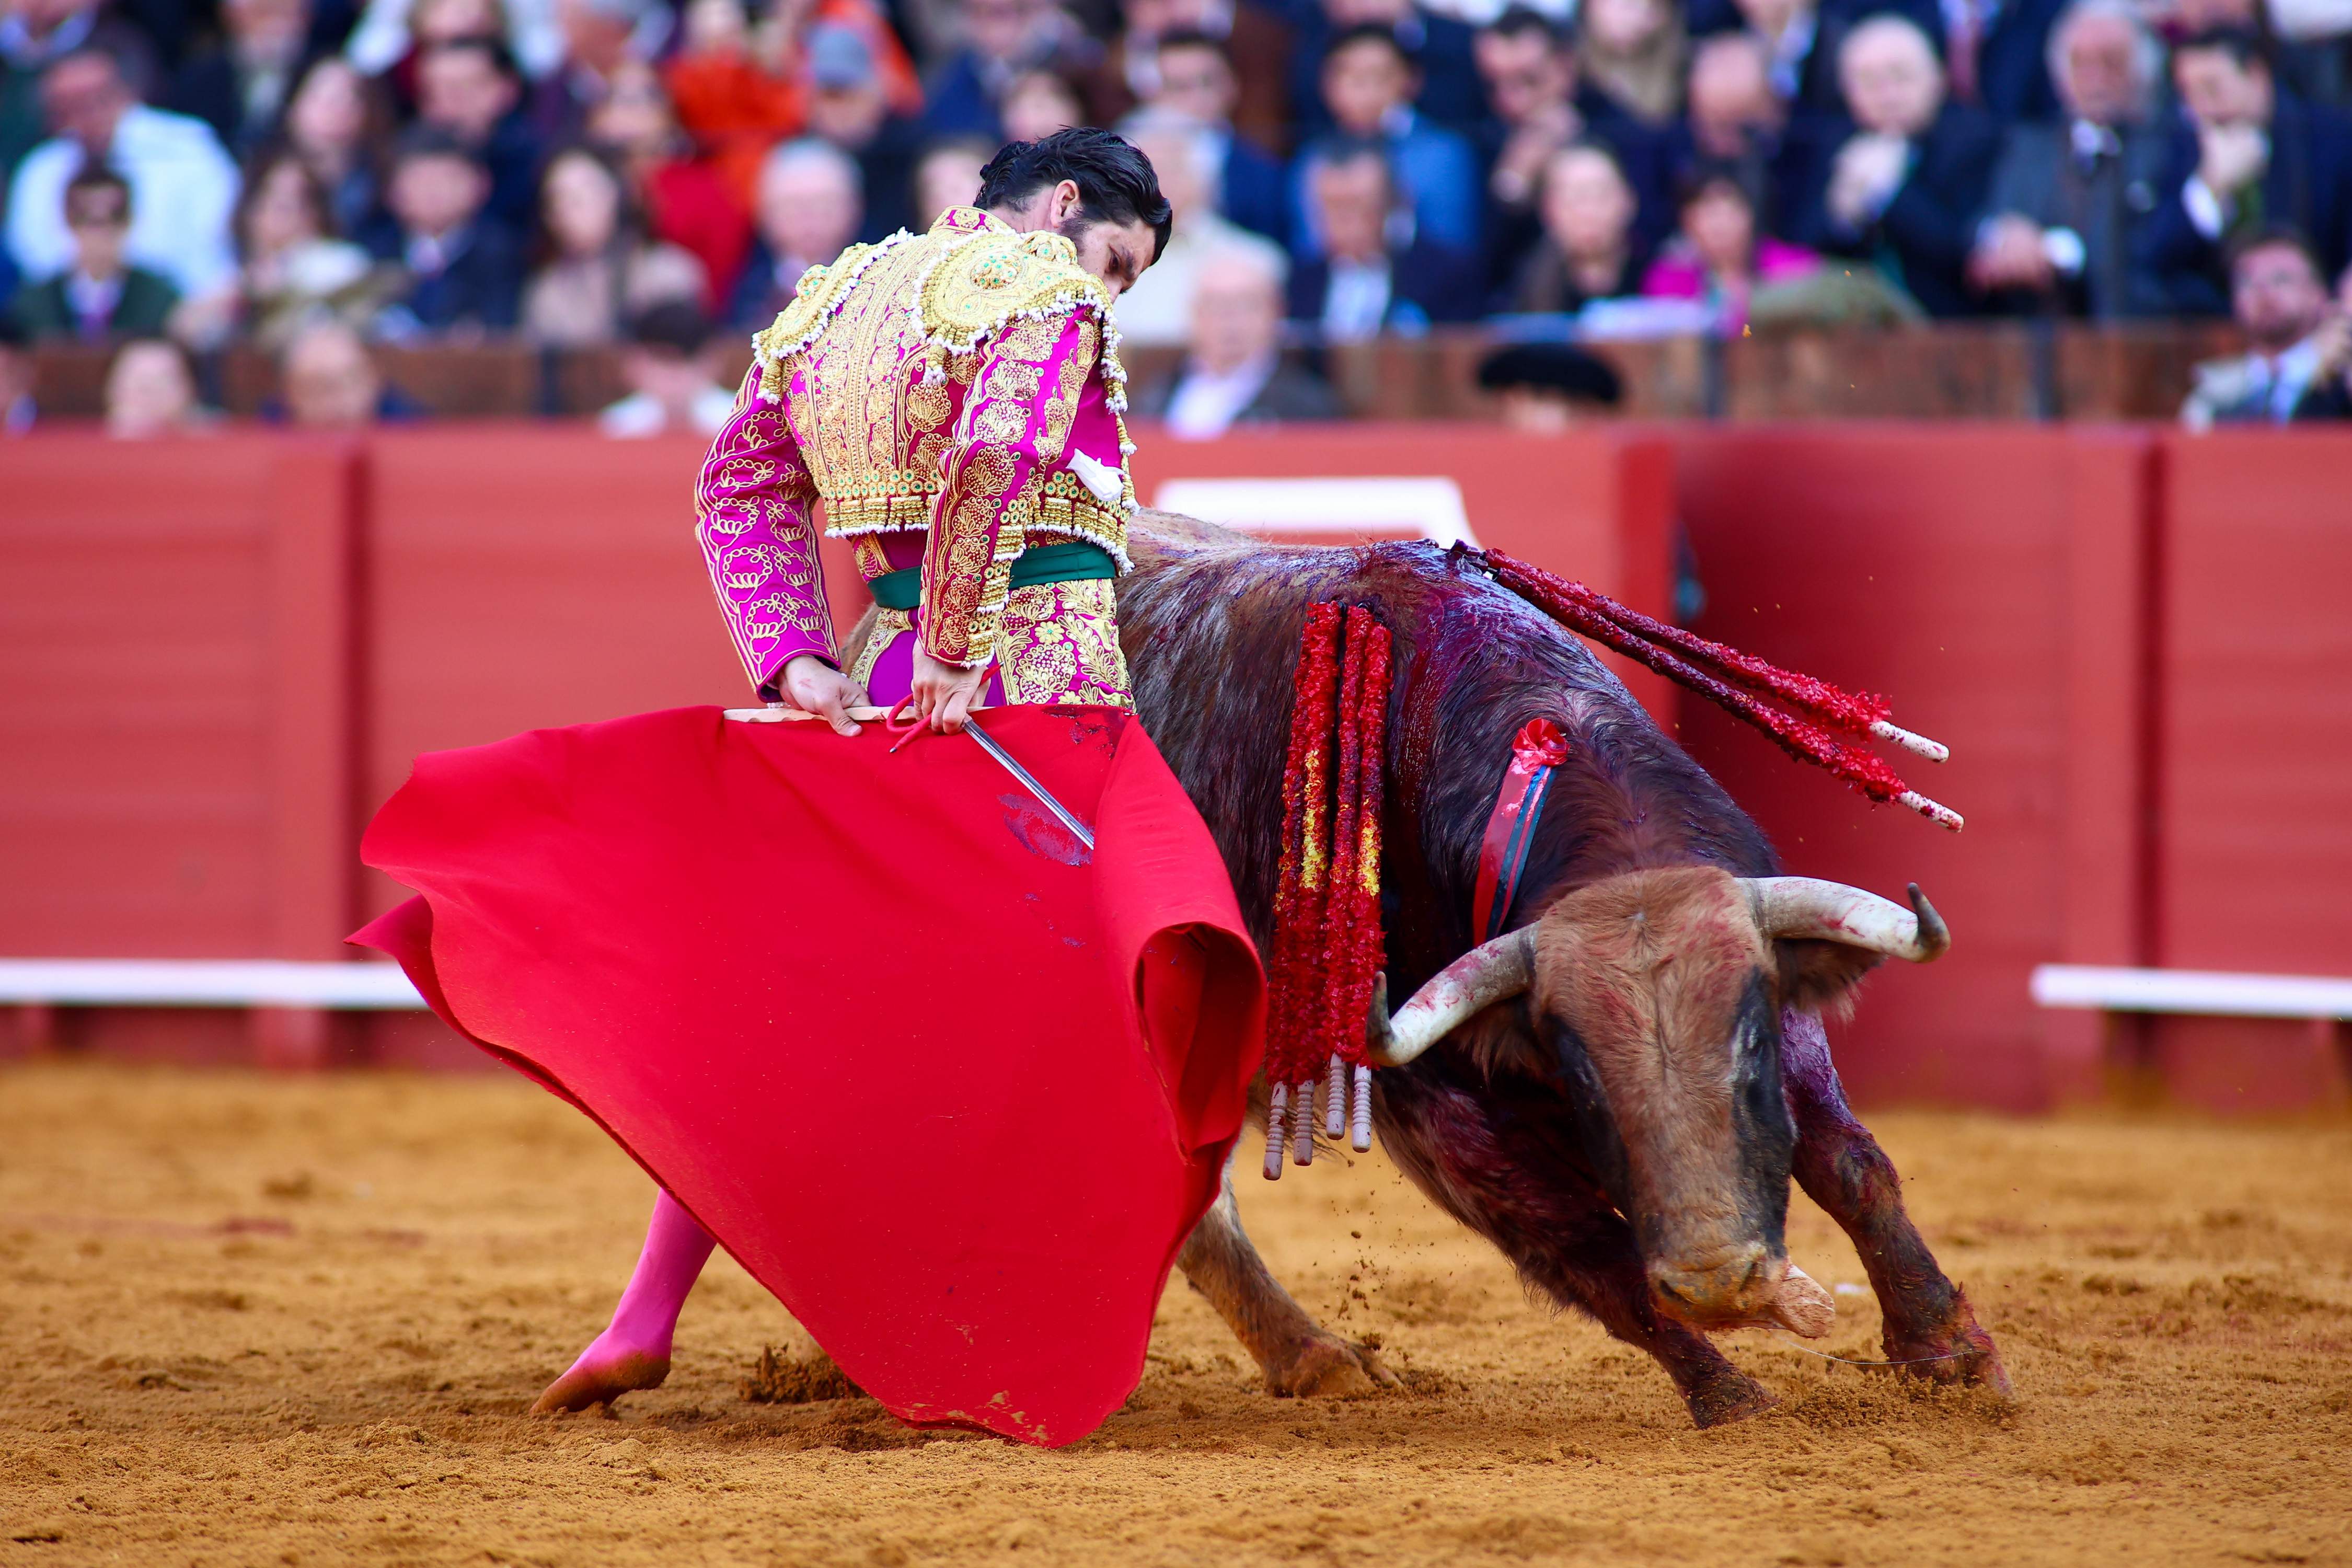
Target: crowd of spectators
(311, 177)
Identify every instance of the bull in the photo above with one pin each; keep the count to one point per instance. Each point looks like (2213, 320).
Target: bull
(1617, 1091)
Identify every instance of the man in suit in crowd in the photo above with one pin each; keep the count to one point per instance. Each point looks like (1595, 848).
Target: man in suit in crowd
(1233, 372)
(2069, 197)
(101, 298)
(464, 268)
(1905, 187)
(240, 85)
(2279, 298)
(1254, 41)
(1992, 49)
(1446, 89)
(470, 89)
(1377, 272)
(1541, 104)
(1736, 118)
(849, 107)
(1195, 79)
(2252, 157)
(1368, 83)
(808, 212)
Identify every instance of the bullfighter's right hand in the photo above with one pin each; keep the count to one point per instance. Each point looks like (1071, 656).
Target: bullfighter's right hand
(945, 692)
(813, 686)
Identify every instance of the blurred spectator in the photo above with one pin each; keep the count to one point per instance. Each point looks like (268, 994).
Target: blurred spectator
(100, 297)
(1718, 257)
(294, 268)
(848, 107)
(1232, 372)
(1905, 187)
(1548, 388)
(1542, 104)
(1590, 249)
(1251, 43)
(1376, 273)
(2069, 198)
(948, 176)
(36, 34)
(1996, 53)
(464, 270)
(392, 31)
(330, 382)
(671, 387)
(2330, 396)
(2251, 156)
(1368, 85)
(1800, 40)
(1158, 309)
(1002, 38)
(1632, 52)
(1440, 48)
(729, 93)
(1736, 116)
(149, 392)
(1195, 80)
(182, 184)
(683, 202)
(809, 213)
(2280, 303)
(600, 37)
(1037, 103)
(17, 409)
(601, 270)
(241, 83)
(334, 122)
(470, 89)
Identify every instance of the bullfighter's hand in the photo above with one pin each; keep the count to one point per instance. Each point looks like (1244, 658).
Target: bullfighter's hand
(944, 692)
(813, 686)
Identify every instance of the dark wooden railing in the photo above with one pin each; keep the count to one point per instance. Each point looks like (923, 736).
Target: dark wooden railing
(2005, 370)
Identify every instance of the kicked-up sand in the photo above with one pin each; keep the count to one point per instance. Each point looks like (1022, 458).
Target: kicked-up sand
(266, 1320)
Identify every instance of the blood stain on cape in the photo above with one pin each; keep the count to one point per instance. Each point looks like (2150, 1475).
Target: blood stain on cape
(1041, 833)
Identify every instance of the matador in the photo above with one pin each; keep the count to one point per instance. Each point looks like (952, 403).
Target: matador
(950, 402)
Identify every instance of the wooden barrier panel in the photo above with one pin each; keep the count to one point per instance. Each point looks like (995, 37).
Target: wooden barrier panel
(1984, 578)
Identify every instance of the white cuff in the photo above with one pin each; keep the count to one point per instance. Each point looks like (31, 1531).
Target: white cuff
(2208, 213)
(2066, 251)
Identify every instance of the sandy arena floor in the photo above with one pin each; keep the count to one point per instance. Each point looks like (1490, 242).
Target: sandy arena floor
(254, 1321)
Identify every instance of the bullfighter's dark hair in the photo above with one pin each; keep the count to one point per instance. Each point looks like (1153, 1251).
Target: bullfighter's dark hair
(1116, 182)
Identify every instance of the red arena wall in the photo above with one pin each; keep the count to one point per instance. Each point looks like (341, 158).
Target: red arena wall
(220, 655)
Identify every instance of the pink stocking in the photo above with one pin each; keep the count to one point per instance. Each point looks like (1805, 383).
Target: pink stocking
(633, 1352)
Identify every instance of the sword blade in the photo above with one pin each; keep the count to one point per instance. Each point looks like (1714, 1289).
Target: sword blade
(988, 744)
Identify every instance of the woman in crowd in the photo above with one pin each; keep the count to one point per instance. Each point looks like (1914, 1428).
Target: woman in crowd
(683, 202)
(1634, 52)
(1590, 249)
(291, 268)
(334, 122)
(601, 270)
(1718, 256)
(149, 392)
(1037, 104)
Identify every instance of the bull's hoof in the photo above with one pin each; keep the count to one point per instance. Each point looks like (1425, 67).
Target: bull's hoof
(1727, 1396)
(1959, 1353)
(1329, 1367)
(599, 1377)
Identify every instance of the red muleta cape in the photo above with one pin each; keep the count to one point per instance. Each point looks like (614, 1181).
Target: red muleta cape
(949, 1084)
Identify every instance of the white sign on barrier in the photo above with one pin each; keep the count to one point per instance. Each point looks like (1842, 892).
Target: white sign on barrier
(1334, 510)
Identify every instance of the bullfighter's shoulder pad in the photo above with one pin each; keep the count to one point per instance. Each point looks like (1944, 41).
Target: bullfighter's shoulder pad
(995, 277)
(815, 297)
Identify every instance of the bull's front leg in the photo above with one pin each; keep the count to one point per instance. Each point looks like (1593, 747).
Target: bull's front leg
(1928, 1323)
(1298, 1356)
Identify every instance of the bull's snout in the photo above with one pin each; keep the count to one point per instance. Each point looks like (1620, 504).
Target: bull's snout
(1745, 1288)
(1732, 1286)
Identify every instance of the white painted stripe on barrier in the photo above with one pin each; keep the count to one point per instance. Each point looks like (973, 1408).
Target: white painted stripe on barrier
(2192, 992)
(204, 982)
(1431, 507)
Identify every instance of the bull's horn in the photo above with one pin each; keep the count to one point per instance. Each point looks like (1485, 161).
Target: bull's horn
(1831, 911)
(1477, 979)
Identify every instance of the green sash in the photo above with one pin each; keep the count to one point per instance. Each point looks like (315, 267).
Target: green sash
(1072, 563)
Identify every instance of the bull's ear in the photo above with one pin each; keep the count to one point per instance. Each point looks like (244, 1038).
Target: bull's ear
(1821, 976)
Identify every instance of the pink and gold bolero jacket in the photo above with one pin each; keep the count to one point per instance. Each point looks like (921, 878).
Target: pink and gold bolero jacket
(964, 382)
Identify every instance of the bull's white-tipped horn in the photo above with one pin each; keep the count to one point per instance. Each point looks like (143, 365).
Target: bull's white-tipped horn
(1831, 911)
(1479, 979)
